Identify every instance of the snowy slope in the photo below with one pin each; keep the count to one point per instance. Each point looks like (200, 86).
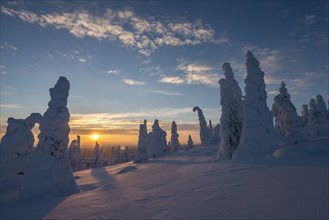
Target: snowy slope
(191, 185)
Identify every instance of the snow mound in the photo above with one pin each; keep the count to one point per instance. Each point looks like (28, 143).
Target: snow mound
(318, 130)
(127, 169)
(305, 143)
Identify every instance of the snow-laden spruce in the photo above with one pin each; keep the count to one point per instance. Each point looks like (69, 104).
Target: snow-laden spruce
(314, 114)
(50, 170)
(141, 152)
(232, 114)
(98, 158)
(15, 148)
(116, 155)
(306, 114)
(156, 140)
(322, 109)
(257, 136)
(284, 112)
(125, 155)
(204, 130)
(189, 142)
(75, 155)
(174, 142)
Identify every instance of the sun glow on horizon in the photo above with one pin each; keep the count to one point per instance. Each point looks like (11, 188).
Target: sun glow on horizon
(95, 137)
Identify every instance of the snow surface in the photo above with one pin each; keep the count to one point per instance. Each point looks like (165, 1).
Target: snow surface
(291, 184)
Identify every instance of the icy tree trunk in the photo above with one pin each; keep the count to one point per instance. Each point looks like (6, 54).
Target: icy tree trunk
(141, 152)
(204, 131)
(50, 170)
(257, 136)
(284, 111)
(174, 142)
(232, 114)
(15, 148)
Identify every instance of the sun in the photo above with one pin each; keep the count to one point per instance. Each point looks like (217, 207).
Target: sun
(95, 137)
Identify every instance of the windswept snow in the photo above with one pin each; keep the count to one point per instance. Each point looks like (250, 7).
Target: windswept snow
(293, 184)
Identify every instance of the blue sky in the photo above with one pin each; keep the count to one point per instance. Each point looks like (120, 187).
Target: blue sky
(130, 60)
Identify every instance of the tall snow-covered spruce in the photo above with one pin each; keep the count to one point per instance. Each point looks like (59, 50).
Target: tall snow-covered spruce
(232, 114)
(284, 111)
(175, 145)
(257, 136)
(156, 140)
(141, 152)
(204, 131)
(49, 170)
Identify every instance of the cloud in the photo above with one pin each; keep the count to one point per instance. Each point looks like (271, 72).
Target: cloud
(6, 45)
(166, 93)
(132, 82)
(172, 80)
(82, 60)
(113, 72)
(3, 69)
(194, 73)
(145, 34)
(310, 19)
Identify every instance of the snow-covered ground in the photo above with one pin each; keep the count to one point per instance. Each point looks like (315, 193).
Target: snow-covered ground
(191, 185)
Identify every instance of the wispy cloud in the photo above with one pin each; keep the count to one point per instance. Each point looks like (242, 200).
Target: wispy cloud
(132, 82)
(172, 80)
(7, 45)
(161, 92)
(146, 34)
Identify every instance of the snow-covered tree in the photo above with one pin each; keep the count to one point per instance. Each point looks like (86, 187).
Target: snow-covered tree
(322, 109)
(232, 114)
(314, 114)
(125, 155)
(157, 140)
(174, 142)
(141, 152)
(98, 158)
(257, 136)
(50, 169)
(75, 155)
(284, 111)
(116, 155)
(217, 134)
(306, 114)
(15, 148)
(189, 142)
(204, 130)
